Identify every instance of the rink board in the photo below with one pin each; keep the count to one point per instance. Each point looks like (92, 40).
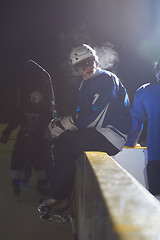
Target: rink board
(134, 161)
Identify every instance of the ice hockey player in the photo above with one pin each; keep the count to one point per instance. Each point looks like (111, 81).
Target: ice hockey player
(146, 107)
(101, 122)
(30, 146)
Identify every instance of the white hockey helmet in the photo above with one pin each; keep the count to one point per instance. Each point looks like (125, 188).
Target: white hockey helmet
(82, 52)
(36, 97)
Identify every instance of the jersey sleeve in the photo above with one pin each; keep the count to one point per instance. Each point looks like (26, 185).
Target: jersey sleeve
(138, 115)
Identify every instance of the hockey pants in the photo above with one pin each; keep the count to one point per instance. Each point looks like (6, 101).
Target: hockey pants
(67, 148)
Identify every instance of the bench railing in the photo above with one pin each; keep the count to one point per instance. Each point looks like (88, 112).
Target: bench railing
(111, 204)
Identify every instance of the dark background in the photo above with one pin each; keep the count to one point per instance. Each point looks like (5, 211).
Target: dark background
(125, 32)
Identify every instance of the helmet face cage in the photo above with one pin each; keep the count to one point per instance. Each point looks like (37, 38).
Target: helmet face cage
(84, 63)
(81, 53)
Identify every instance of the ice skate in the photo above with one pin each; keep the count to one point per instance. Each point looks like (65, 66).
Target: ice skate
(57, 211)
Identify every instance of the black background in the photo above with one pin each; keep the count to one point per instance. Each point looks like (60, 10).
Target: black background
(47, 30)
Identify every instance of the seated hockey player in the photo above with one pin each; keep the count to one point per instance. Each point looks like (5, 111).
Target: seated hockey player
(101, 122)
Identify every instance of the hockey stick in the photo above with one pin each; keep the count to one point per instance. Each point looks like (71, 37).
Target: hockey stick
(50, 85)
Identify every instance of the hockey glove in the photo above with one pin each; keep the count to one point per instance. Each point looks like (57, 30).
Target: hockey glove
(58, 127)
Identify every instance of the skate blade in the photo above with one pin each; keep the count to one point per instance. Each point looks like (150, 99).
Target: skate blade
(55, 211)
(60, 219)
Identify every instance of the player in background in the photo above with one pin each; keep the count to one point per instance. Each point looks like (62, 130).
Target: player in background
(146, 107)
(31, 143)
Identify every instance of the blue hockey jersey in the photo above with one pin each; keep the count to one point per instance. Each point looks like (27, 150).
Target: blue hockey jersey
(146, 106)
(103, 104)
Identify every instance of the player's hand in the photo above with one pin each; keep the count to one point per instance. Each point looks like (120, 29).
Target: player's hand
(60, 125)
(137, 145)
(55, 130)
